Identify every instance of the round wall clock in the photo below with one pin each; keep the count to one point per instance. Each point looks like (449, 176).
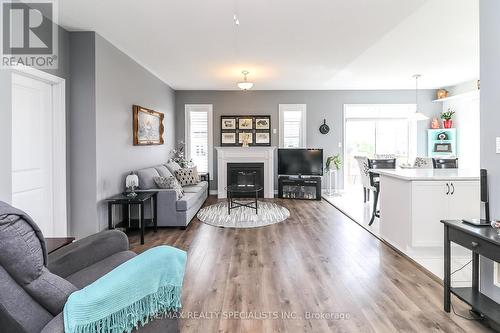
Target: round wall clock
(324, 128)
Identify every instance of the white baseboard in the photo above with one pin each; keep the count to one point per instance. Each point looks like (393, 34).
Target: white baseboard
(213, 192)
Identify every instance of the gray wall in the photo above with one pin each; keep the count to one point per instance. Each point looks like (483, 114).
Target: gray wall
(105, 84)
(324, 104)
(120, 83)
(82, 156)
(490, 120)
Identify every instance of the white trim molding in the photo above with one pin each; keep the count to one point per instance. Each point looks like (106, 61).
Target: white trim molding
(227, 155)
(204, 108)
(302, 108)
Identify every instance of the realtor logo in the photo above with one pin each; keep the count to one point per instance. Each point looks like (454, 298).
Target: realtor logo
(29, 34)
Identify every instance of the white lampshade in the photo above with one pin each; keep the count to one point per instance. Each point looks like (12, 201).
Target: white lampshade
(418, 116)
(132, 181)
(245, 85)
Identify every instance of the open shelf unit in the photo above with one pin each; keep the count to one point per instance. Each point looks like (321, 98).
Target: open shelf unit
(437, 147)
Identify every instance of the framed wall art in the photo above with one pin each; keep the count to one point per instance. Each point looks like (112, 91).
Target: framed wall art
(254, 130)
(245, 123)
(147, 126)
(228, 139)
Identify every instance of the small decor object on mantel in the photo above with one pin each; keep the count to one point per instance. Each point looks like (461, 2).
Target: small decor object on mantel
(148, 126)
(447, 116)
(324, 129)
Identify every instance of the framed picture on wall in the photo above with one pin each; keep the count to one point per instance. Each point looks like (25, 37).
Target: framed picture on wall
(245, 123)
(255, 130)
(228, 138)
(147, 126)
(248, 136)
(228, 123)
(262, 138)
(262, 123)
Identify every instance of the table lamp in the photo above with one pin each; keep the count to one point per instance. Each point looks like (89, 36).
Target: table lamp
(131, 182)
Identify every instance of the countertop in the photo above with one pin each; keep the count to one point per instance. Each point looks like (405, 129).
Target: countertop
(430, 174)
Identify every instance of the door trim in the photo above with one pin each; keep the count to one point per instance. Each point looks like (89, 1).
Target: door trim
(59, 144)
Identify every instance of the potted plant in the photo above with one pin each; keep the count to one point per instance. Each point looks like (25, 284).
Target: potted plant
(333, 165)
(447, 116)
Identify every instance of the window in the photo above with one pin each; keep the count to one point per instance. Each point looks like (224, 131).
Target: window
(199, 136)
(292, 119)
(380, 130)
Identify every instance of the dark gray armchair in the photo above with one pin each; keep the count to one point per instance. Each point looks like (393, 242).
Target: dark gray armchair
(34, 287)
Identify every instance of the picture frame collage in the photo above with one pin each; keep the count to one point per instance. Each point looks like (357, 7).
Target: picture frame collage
(256, 130)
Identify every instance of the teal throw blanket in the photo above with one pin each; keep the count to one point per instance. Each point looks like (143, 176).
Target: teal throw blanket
(142, 288)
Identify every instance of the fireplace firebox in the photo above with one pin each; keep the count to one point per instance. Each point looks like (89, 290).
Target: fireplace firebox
(246, 174)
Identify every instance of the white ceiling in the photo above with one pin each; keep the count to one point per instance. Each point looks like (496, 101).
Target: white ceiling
(290, 44)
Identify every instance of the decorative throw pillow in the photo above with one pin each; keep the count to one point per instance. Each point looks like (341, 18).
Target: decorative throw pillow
(173, 166)
(170, 183)
(188, 176)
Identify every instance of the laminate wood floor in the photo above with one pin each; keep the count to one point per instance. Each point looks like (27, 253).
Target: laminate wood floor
(318, 271)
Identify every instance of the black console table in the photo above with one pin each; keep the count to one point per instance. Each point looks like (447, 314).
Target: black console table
(299, 188)
(483, 241)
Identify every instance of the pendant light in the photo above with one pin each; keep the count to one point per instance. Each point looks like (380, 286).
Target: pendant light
(245, 85)
(417, 116)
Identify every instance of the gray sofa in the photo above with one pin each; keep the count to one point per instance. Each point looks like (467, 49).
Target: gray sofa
(34, 287)
(173, 212)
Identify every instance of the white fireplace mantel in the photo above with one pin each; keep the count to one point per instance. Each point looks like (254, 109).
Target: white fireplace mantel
(227, 155)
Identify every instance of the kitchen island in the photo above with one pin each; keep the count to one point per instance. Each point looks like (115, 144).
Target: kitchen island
(412, 203)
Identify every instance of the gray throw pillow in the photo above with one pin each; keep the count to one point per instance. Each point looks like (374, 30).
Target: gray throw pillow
(170, 183)
(188, 176)
(173, 167)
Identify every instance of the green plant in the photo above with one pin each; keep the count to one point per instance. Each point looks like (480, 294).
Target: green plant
(333, 162)
(447, 115)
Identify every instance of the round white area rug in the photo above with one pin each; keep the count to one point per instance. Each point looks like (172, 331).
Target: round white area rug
(243, 217)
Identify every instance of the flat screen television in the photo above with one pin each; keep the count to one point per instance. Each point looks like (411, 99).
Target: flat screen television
(300, 162)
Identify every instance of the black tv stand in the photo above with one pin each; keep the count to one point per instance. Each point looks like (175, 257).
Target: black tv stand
(299, 187)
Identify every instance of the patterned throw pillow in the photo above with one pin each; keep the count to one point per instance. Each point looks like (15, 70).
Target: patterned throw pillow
(188, 176)
(170, 183)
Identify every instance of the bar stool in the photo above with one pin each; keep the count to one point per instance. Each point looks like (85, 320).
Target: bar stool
(389, 163)
(445, 163)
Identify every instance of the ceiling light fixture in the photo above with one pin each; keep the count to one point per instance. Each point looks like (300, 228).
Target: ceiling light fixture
(417, 116)
(236, 20)
(245, 85)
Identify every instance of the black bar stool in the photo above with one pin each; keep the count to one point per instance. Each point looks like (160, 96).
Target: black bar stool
(388, 163)
(445, 163)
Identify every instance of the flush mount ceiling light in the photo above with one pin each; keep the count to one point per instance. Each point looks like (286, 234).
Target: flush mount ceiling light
(417, 116)
(245, 85)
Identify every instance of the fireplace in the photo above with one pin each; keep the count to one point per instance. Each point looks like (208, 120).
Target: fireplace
(245, 174)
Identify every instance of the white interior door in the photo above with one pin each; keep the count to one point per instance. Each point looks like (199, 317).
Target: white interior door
(32, 150)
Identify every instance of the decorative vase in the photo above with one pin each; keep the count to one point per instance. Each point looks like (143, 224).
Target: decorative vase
(447, 123)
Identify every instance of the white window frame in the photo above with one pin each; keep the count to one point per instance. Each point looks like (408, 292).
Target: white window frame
(209, 109)
(303, 131)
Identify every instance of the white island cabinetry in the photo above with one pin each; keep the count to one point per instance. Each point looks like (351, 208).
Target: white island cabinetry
(414, 201)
